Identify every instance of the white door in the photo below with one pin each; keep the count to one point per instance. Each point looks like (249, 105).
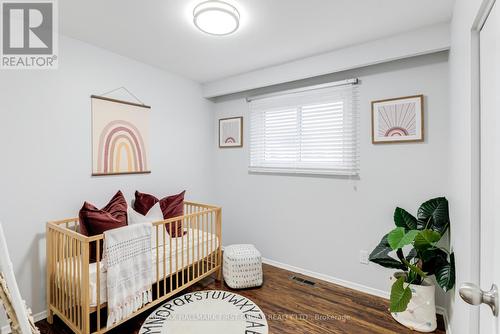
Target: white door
(487, 296)
(490, 164)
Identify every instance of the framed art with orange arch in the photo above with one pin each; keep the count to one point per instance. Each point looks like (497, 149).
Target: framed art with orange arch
(398, 120)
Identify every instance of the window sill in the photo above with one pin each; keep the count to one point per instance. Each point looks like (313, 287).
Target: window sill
(303, 171)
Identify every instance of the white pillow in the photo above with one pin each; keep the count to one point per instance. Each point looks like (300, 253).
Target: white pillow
(154, 215)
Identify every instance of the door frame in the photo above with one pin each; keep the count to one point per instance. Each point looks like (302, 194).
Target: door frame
(480, 20)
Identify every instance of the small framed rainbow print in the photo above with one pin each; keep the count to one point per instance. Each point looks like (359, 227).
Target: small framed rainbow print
(231, 132)
(398, 120)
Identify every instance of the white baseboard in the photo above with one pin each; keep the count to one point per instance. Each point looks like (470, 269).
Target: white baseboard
(37, 317)
(330, 279)
(351, 285)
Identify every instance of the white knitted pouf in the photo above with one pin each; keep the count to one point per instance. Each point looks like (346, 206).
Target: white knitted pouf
(242, 266)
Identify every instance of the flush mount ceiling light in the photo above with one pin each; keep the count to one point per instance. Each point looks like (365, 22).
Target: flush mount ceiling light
(216, 18)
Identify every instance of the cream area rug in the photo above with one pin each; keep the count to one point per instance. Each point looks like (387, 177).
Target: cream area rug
(207, 312)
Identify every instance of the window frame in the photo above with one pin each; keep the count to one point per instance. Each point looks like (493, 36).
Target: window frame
(298, 166)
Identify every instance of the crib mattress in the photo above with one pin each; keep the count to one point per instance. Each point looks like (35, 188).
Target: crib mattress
(188, 246)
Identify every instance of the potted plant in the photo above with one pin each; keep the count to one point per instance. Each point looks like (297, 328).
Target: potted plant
(417, 256)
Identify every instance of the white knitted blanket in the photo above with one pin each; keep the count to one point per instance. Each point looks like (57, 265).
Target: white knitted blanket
(129, 264)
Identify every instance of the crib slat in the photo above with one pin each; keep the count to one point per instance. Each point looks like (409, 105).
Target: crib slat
(71, 276)
(75, 281)
(79, 282)
(170, 254)
(209, 249)
(85, 289)
(204, 241)
(219, 241)
(214, 237)
(98, 284)
(202, 246)
(60, 267)
(187, 248)
(164, 260)
(212, 240)
(66, 277)
(182, 249)
(56, 270)
(157, 261)
(191, 230)
(55, 239)
(75, 277)
(205, 218)
(176, 256)
(63, 275)
(210, 244)
(49, 273)
(50, 270)
(198, 244)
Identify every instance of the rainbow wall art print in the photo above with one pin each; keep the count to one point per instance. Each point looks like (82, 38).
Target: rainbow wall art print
(398, 120)
(120, 137)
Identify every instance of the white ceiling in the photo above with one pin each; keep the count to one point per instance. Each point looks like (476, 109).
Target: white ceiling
(161, 33)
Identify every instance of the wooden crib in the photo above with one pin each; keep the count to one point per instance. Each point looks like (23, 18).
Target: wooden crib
(75, 291)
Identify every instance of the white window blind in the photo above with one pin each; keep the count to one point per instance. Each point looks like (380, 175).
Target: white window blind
(312, 132)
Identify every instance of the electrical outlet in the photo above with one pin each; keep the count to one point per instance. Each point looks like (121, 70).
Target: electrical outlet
(363, 257)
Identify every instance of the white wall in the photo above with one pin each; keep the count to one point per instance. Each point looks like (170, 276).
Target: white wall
(422, 41)
(46, 147)
(321, 223)
(463, 155)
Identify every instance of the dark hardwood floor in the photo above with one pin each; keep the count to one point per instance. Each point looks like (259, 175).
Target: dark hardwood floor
(293, 308)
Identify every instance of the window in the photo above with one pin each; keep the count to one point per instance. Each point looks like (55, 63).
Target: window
(311, 131)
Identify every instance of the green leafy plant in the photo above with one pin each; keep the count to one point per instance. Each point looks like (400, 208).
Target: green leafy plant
(419, 237)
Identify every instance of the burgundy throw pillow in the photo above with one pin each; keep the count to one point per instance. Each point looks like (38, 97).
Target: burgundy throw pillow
(171, 206)
(94, 221)
(144, 202)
